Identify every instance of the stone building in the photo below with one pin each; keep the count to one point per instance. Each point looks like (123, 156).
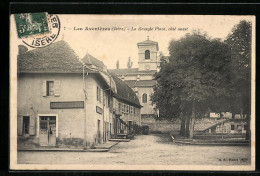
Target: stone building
(58, 106)
(141, 79)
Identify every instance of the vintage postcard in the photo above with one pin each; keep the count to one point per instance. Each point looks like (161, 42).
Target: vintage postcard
(132, 92)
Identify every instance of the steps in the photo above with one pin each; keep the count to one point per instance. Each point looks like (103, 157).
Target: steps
(120, 140)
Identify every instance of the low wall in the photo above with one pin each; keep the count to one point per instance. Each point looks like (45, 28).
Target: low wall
(165, 126)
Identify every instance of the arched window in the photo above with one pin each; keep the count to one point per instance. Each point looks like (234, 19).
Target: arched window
(144, 98)
(147, 54)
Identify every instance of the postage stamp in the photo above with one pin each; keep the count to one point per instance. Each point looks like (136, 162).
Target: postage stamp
(37, 29)
(29, 24)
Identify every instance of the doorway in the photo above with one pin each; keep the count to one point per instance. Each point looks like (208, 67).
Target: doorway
(130, 127)
(98, 131)
(47, 131)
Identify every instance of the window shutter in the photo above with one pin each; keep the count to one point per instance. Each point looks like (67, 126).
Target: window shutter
(104, 102)
(115, 104)
(97, 94)
(20, 125)
(44, 88)
(32, 125)
(101, 95)
(111, 104)
(119, 108)
(123, 108)
(56, 88)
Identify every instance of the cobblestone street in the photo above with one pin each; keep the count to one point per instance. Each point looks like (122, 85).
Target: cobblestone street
(146, 150)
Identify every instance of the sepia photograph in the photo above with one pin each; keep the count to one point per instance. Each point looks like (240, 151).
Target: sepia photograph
(132, 92)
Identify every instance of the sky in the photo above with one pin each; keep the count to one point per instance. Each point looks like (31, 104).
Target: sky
(113, 45)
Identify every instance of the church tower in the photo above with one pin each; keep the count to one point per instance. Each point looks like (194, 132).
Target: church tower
(147, 55)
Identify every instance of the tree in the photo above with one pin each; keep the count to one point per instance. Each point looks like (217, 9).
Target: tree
(129, 63)
(239, 42)
(196, 74)
(117, 64)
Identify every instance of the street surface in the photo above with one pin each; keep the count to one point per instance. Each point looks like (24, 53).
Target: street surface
(153, 149)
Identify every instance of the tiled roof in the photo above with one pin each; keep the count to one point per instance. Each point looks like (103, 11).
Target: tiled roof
(124, 92)
(141, 83)
(90, 60)
(130, 71)
(57, 57)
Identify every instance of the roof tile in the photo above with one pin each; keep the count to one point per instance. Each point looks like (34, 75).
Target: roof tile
(57, 57)
(124, 92)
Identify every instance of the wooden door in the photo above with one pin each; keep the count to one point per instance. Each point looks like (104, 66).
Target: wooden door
(47, 133)
(43, 132)
(130, 127)
(98, 132)
(52, 131)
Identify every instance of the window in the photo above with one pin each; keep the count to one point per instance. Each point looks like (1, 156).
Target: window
(131, 109)
(123, 108)
(144, 98)
(50, 88)
(52, 118)
(110, 103)
(147, 54)
(26, 121)
(127, 108)
(232, 127)
(137, 112)
(25, 125)
(43, 125)
(98, 94)
(239, 127)
(244, 127)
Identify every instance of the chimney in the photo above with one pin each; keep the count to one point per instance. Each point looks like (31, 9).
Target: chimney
(22, 49)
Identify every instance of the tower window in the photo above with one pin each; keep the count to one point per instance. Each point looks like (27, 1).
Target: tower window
(144, 98)
(147, 54)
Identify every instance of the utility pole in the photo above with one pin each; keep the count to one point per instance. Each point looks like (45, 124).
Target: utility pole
(103, 115)
(85, 115)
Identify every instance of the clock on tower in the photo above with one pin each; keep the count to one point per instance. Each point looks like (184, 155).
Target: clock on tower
(147, 55)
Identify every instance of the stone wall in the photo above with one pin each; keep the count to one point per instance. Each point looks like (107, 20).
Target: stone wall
(165, 126)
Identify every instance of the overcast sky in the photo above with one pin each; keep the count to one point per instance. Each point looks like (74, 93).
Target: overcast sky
(109, 46)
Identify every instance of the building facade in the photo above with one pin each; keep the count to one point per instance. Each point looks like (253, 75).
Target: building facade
(141, 79)
(65, 101)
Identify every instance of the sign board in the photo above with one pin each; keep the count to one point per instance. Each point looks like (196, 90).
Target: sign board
(99, 110)
(67, 105)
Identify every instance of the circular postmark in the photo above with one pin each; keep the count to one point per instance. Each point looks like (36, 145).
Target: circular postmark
(42, 40)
